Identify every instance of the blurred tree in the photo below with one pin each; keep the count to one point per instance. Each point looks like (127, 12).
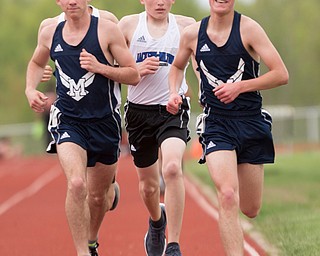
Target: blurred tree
(291, 25)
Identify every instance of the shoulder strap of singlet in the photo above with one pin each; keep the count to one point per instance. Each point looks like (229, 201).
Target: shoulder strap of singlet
(236, 20)
(204, 23)
(95, 11)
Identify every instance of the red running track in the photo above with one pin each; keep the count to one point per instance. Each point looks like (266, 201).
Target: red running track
(33, 222)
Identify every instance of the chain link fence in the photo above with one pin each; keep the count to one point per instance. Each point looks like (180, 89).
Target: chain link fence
(291, 126)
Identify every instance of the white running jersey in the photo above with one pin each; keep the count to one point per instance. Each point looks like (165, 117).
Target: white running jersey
(154, 89)
(95, 13)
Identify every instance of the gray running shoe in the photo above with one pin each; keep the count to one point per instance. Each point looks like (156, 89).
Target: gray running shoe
(155, 239)
(173, 249)
(116, 196)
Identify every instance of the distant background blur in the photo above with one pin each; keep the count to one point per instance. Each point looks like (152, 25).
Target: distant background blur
(291, 25)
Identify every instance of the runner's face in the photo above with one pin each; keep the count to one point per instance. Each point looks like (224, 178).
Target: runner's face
(73, 7)
(158, 9)
(222, 6)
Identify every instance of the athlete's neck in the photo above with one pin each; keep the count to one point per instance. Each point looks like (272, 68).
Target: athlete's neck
(157, 27)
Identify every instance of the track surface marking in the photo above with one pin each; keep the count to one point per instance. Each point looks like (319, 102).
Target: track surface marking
(33, 222)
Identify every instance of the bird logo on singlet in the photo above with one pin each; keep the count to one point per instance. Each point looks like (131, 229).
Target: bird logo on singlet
(212, 80)
(77, 90)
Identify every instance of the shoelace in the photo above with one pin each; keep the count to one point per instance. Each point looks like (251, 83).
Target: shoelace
(173, 251)
(156, 235)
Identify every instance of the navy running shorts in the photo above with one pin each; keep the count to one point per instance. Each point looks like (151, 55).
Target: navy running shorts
(248, 133)
(149, 125)
(99, 137)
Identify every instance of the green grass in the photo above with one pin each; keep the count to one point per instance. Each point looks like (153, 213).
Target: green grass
(290, 216)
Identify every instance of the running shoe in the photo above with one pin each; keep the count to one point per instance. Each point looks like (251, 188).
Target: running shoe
(116, 196)
(94, 249)
(155, 238)
(173, 249)
(162, 185)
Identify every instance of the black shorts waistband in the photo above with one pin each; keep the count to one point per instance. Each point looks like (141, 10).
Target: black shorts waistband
(150, 107)
(146, 107)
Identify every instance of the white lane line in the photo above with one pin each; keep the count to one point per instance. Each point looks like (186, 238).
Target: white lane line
(38, 184)
(210, 210)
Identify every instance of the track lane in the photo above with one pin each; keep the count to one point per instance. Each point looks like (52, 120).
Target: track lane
(37, 224)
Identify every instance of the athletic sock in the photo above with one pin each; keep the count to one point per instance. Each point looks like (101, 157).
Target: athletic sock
(158, 223)
(92, 243)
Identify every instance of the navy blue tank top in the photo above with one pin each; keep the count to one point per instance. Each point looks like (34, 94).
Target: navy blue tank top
(226, 64)
(82, 94)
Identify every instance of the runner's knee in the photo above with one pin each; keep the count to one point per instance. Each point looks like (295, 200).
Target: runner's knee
(251, 211)
(228, 198)
(96, 200)
(172, 170)
(148, 189)
(77, 187)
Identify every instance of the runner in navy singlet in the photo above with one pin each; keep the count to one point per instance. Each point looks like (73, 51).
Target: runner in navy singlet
(85, 119)
(234, 130)
(113, 194)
